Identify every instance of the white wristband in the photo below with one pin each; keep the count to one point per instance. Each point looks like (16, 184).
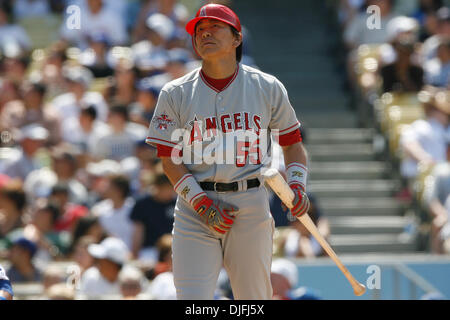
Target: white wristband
(188, 188)
(297, 173)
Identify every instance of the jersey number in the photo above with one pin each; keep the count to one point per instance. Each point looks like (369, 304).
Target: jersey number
(247, 151)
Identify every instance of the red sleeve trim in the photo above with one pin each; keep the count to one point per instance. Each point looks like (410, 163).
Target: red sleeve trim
(290, 138)
(151, 138)
(165, 151)
(297, 124)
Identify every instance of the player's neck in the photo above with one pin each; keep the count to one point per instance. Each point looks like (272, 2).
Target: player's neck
(219, 69)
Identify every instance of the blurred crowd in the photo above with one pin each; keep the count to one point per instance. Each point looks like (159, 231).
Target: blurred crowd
(400, 73)
(86, 211)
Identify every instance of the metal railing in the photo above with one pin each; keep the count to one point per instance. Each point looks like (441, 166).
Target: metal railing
(417, 285)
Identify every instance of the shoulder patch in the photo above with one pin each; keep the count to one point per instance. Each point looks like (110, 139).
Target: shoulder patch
(163, 122)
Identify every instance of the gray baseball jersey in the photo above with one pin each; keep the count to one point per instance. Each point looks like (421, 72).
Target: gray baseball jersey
(253, 102)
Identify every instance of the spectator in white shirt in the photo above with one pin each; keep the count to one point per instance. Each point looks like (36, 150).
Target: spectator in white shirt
(96, 17)
(429, 47)
(426, 140)
(174, 10)
(163, 287)
(32, 137)
(151, 54)
(437, 70)
(133, 284)
(11, 32)
(69, 104)
(102, 279)
(437, 200)
(85, 131)
(114, 211)
(121, 142)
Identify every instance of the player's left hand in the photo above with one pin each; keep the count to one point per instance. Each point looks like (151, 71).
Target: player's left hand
(215, 214)
(301, 202)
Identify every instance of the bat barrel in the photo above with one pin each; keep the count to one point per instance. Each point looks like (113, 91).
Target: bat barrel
(281, 188)
(359, 289)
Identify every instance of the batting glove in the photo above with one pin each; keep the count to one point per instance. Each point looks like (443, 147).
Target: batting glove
(215, 214)
(301, 202)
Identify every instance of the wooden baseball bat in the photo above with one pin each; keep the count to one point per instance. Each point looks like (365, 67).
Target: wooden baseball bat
(282, 189)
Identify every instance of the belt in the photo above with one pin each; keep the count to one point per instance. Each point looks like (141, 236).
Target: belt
(225, 187)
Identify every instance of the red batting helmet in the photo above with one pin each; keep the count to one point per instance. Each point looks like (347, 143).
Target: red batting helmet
(214, 11)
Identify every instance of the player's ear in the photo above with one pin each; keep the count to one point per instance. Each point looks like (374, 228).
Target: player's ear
(237, 39)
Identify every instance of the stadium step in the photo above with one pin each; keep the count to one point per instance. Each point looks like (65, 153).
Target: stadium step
(352, 170)
(314, 63)
(386, 243)
(361, 206)
(310, 80)
(306, 102)
(354, 188)
(369, 225)
(342, 152)
(343, 135)
(338, 117)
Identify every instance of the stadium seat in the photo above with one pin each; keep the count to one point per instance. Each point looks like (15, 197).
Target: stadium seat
(394, 139)
(404, 103)
(399, 118)
(367, 66)
(368, 56)
(423, 180)
(99, 84)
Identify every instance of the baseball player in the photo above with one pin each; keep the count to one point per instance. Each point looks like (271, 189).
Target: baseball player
(222, 215)
(6, 292)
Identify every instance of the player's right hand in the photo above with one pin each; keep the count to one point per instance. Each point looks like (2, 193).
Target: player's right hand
(215, 214)
(300, 204)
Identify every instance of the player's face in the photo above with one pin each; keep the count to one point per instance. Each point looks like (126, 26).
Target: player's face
(214, 39)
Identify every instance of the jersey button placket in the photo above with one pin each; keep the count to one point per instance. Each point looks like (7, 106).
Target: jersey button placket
(219, 99)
